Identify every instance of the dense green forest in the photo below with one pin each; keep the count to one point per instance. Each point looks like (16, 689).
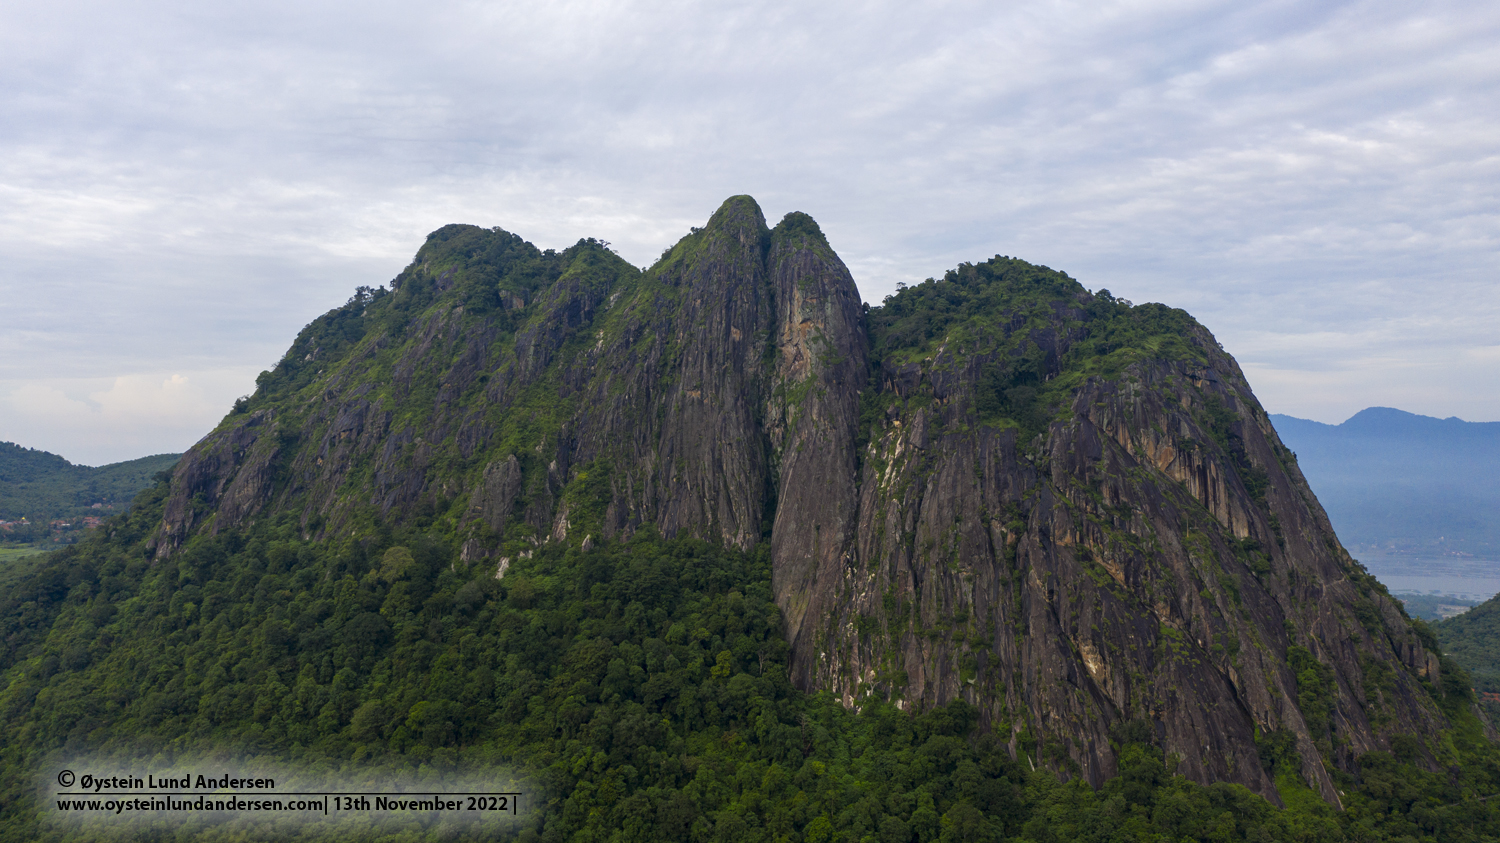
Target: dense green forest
(640, 685)
(1473, 640)
(961, 312)
(42, 487)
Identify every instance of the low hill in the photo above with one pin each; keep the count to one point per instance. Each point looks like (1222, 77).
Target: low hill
(41, 487)
(1473, 640)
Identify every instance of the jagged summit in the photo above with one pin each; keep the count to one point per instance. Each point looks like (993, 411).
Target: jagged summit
(1068, 510)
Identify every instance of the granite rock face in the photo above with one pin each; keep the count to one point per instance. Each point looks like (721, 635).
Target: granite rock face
(1066, 510)
(1116, 568)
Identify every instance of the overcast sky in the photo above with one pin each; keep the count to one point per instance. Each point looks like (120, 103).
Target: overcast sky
(184, 186)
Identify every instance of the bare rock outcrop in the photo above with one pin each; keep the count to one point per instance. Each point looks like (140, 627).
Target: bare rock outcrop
(1069, 511)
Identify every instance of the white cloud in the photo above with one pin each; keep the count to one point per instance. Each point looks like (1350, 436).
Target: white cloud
(95, 421)
(181, 188)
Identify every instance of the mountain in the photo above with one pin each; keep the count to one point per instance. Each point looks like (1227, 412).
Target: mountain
(1065, 509)
(41, 486)
(622, 523)
(1397, 482)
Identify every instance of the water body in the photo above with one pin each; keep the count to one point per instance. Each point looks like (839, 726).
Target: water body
(1462, 577)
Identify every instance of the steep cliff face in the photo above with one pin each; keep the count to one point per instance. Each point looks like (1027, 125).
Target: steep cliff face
(531, 396)
(819, 367)
(1067, 510)
(1150, 553)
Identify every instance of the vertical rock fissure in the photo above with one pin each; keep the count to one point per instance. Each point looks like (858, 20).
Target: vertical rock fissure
(996, 486)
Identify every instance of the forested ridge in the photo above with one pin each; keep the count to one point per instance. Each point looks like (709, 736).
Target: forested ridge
(1473, 640)
(641, 684)
(41, 486)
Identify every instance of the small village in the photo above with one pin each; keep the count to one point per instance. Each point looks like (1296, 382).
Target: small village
(57, 530)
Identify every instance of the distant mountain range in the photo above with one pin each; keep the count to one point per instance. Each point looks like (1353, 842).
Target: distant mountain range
(1395, 482)
(40, 486)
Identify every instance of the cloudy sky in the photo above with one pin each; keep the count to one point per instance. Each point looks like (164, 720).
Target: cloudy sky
(184, 185)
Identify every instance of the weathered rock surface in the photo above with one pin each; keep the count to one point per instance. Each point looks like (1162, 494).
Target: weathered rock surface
(1142, 549)
(1117, 569)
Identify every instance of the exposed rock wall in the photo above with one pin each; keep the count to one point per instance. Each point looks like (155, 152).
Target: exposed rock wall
(811, 416)
(1145, 550)
(1116, 568)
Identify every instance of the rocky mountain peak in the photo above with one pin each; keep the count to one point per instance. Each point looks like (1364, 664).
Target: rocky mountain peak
(1069, 511)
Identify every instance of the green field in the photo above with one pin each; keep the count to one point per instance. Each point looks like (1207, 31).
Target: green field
(20, 551)
(11, 554)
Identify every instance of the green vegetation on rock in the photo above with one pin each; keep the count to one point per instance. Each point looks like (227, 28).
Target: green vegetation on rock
(1036, 334)
(999, 559)
(641, 684)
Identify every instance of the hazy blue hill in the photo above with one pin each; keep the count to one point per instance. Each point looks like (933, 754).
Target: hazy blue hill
(1398, 481)
(41, 486)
